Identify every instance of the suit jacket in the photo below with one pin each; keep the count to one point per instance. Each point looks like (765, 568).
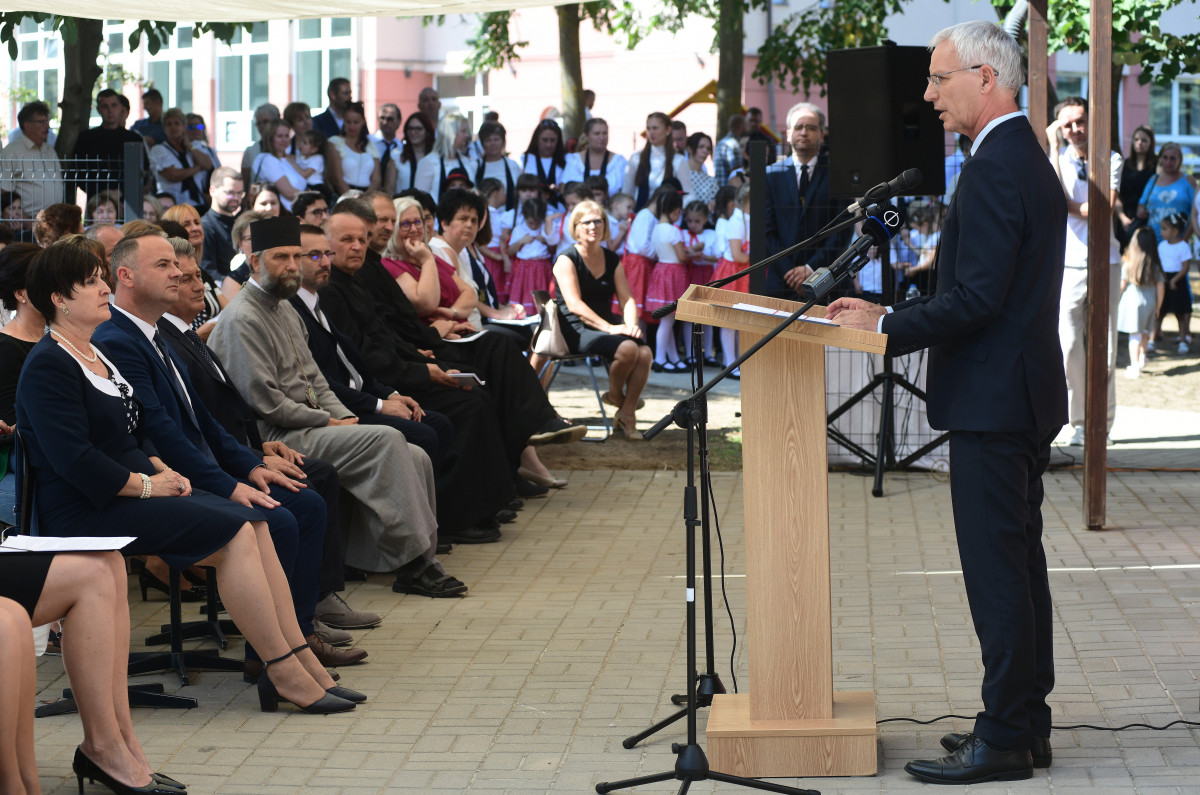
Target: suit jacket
(165, 416)
(220, 397)
(995, 362)
(325, 122)
(324, 347)
(790, 220)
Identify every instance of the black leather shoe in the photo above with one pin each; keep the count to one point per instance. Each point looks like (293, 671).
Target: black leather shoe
(1039, 747)
(526, 489)
(516, 504)
(973, 762)
(479, 534)
(504, 516)
(443, 548)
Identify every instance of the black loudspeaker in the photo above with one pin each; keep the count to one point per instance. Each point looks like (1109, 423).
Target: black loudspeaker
(879, 122)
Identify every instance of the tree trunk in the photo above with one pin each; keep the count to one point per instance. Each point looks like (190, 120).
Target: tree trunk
(1118, 71)
(572, 70)
(81, 69)
(729, 75)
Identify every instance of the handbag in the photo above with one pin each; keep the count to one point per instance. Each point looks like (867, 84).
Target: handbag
(549, 340)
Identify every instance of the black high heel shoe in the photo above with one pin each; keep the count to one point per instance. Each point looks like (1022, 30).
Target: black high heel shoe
(84, 767)
(148, 582)
(349, 695)
(269, 697)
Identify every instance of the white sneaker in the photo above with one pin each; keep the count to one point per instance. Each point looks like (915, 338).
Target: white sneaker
(1077, 437)
(1133, 372)
(1183, 346)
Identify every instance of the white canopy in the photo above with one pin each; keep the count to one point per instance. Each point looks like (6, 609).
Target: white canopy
(262, 10)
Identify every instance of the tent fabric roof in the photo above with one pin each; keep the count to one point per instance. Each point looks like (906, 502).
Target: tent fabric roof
(241, 11)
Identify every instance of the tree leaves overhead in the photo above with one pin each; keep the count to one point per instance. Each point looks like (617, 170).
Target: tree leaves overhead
(156, 34)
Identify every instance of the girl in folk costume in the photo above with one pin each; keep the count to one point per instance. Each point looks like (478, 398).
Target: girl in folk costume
(736, 255)
(490, 250)
(527, 188)
(453, 132)
(656, 163)
(419, 135)
(621, 207)
(668, 281)
(702, 244)
(546, 157)
(594, 159)
(639, 247)
(532, 246)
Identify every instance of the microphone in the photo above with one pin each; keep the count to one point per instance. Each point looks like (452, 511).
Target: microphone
(886, 190)
(877, 229)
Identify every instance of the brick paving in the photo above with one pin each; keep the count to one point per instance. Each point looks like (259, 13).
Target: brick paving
(572, 639)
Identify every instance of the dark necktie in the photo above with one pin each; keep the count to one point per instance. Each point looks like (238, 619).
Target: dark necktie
(184, 398)
(803, 182)
(202, 349)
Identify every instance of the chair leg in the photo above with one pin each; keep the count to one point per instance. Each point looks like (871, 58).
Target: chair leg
(599, 399)
(177, 659)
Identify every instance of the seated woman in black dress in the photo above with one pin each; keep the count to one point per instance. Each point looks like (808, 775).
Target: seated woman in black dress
(88, 589)
(17, 338)
(95, 474)
(586, 277)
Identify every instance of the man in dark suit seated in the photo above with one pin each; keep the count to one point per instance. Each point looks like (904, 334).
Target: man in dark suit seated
(190, 441)
(377, 404)
(996, 383)
(417, 354)
(216, 391)
(329, 121)
(799, 205)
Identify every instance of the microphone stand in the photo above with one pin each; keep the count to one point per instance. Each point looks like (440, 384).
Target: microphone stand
(691, 414)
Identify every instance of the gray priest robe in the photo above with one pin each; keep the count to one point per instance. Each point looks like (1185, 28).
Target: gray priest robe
(264, 346)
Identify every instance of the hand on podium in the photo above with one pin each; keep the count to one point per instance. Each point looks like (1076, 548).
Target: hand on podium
(855, 313)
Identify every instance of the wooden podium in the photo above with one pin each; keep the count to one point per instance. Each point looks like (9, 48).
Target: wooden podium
(791, 722)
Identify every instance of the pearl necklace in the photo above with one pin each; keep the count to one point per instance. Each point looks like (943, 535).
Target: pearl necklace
(78, 352)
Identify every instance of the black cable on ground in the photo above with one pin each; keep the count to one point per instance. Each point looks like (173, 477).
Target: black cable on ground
(1071, 727)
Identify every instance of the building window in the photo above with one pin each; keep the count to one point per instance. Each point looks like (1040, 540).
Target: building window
(317, 63)
(1070, 85)
(1175, 111)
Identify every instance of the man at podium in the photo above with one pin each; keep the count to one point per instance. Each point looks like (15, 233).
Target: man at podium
(996, 382)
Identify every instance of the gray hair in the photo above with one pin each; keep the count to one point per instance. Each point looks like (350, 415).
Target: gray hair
(93, 231)
(801, 107)
(266, 111)
(182, 247)
(981, 42)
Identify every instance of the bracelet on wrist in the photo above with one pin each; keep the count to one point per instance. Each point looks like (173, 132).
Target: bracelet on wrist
(146, 486)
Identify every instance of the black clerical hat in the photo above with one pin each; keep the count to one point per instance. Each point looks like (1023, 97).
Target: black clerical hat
(275, 233)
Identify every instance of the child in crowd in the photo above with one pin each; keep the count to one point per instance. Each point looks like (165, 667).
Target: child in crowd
(668, 280)
(598, 186)
(1176, 258)
(639, 247)
(309, 162)
(527, 188)
(532, 247)
(492, 191)
(1142, 291)
(734, 257)
(701, 242)
(922, 239)
(621, 207)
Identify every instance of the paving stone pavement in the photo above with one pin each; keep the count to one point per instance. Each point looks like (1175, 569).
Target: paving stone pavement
(572, 639)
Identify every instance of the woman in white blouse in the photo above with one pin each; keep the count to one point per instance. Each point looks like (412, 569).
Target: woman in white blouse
(493, 138)
(657, 161)
(546, 156)
(401, 173)
(357, 162)
(453, 132)
(273, 167)
(595, 159)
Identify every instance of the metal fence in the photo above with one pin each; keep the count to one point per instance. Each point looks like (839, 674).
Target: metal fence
(106, 189)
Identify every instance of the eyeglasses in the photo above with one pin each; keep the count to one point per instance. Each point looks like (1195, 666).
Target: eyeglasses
(936, 80)
(199, 127)
(404, 226)
(388, 118)
(591, 222)
(317, 256)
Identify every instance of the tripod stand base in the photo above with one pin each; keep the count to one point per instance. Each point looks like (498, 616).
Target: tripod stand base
(844, 745)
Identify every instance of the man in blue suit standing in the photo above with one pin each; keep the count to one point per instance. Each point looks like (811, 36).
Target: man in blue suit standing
(799, 206)
(329, 121)
(996, 383)
(191, 441)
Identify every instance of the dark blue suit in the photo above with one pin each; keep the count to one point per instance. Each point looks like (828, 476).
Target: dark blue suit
(202, 451)
(996, 383)
(325, 122)
(790, 220)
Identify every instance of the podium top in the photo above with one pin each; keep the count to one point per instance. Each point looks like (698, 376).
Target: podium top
(714, 307)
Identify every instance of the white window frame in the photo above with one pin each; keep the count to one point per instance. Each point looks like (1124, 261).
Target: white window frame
(234, 129)
(323, 44)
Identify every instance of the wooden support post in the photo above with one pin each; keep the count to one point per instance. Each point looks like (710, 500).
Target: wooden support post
(1038, 67)
(1095, 452)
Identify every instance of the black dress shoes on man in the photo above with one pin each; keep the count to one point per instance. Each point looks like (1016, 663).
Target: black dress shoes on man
(974, 762)
(1039, 747)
